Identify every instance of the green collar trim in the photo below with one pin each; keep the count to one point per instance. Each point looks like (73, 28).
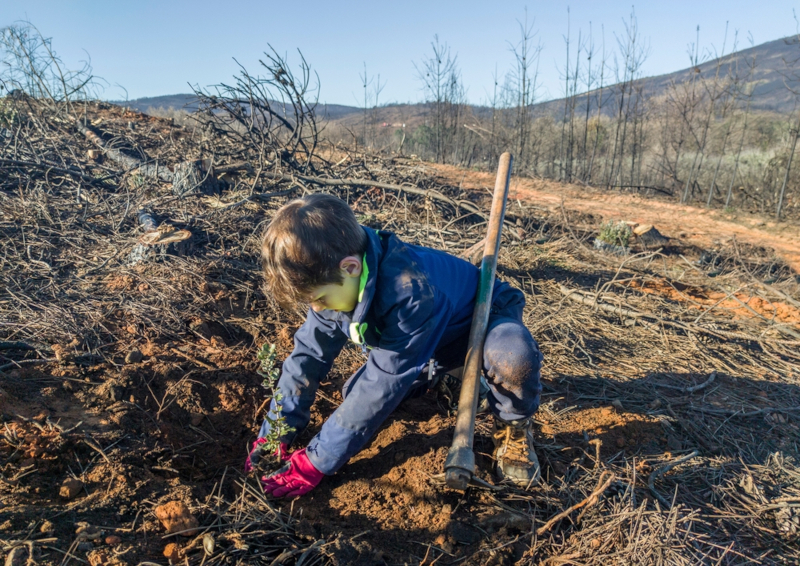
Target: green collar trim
(362, 283)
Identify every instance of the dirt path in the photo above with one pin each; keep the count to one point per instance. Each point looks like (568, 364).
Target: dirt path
(697, 226)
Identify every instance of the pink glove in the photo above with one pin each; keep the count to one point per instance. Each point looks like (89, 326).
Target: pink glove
(296, 478)
(257, 452)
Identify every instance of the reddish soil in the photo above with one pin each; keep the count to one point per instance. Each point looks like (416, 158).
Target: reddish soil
(738, 305)
(385, 498)
(698, 226)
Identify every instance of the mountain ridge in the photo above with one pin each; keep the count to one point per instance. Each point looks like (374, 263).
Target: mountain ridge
(771, 75)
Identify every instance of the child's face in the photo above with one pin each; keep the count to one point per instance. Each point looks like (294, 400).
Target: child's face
(336, 297)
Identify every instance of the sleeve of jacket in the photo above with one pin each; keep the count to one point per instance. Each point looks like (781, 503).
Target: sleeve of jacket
(316, 344)
(413, 328)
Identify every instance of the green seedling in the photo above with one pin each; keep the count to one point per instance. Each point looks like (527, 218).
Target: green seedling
(277, 426)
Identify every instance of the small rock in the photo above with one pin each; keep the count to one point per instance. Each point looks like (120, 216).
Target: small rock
(85, 546)
(176, 518)
(173, 552)
(208, 543)
(116, 393)
(113, 540)
(70, 488)
(133, 357)
(47, 527)
(617, 404)
(85, 531)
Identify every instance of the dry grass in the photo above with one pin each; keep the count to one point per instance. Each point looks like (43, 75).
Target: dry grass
(70, 294)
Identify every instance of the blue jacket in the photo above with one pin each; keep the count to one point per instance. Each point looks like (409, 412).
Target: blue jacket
(411, 301)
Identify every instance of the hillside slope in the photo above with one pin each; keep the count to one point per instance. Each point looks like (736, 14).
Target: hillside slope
(772, 73)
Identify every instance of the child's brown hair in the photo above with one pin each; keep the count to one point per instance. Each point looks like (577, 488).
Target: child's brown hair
(304, 243)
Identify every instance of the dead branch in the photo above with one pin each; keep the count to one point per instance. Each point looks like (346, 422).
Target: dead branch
(603, 483)
(658, 472)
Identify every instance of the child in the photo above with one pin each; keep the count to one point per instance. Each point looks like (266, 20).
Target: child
(406, 306)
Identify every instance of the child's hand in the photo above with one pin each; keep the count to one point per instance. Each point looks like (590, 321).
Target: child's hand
(296, 478)
(257, 452)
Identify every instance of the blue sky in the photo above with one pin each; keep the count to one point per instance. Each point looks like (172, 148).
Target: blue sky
(156, 47)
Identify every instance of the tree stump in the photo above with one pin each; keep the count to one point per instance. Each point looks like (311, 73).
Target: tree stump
(159, 240)
(649, 236)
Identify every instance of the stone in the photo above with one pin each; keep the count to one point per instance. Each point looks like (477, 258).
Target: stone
(116, 393)
(47, 527)
(133, 357)
(208, 543)
(113, 540)
(70, 488)
(85, 531)
(176, 518)
(173, 552)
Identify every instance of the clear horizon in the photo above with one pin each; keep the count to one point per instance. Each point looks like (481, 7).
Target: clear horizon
(155, 49)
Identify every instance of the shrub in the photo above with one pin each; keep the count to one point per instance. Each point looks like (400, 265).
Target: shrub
(615, 233)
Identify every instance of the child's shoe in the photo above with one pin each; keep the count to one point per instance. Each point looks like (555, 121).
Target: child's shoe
(514, 452)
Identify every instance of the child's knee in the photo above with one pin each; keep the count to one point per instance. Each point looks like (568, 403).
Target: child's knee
(511, 356)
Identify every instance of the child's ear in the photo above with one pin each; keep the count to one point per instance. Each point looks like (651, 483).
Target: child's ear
(351, 265)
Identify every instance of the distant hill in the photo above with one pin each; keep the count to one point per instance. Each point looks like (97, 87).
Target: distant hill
(188, 102)
(771, 75)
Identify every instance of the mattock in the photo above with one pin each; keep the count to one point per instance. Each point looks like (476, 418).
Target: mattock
(459, 468)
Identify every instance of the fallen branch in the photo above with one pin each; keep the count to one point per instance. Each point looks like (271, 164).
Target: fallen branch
(658, 472)
(602, 485)
(193, 359)
(694, 388)
(148, 170)
(16, 345)
(51, 167)
(578, 296)
(187, 176)
(20, 362)
(435, 195)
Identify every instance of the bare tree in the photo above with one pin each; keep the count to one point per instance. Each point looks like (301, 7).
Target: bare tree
(523, 81)
(750, 92)
(441, 82)
(274, 114)
(29, 63)
(633, 53)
